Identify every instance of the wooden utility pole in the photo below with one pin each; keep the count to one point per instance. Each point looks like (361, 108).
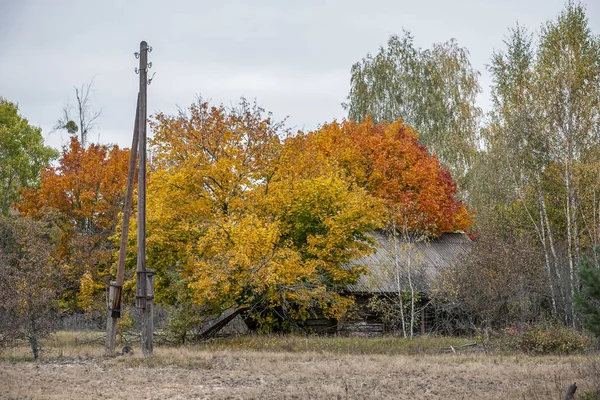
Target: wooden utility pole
(116, 287)
(144, 296)
(145, 278)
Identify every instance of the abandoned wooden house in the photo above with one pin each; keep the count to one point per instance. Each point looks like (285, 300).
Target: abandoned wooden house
(391, 269)
(395, 266)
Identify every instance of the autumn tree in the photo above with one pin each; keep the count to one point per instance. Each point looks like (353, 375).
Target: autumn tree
(417, 191)
(238, 218)
(389, 162)
(433, 90)
(87, 188)
(30, 278)
(22, 154)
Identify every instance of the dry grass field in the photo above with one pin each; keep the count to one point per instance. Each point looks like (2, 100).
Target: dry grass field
(280, 368)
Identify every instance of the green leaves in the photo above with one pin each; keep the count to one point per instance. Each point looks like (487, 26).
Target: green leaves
(432, 90)
(22, 154)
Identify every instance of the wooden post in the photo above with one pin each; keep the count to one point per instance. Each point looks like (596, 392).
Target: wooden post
(148, 328)
(111, 323)
(115, 300)
(141, 286)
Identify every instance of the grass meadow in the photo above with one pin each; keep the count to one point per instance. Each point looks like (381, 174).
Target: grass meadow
(72, 366)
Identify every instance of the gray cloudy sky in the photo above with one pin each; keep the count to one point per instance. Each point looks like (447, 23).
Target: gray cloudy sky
(293, 57)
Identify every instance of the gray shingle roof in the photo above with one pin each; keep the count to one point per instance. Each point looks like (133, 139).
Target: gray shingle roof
(392, 260)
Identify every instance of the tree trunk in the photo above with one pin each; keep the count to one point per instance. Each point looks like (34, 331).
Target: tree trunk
(569, 207)
(398, 280)
(33, 340)
(412, 291)
(554, 255)
(548, 268)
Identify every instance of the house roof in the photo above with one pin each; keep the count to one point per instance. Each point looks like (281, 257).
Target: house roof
(395, 257)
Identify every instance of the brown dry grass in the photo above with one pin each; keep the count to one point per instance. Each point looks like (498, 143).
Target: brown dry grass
(69, 371)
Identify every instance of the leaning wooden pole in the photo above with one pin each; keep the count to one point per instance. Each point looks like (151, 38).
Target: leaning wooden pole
(116, 287)
(144, 284)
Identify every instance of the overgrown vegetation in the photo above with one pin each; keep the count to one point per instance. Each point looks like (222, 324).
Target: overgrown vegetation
(539, 339)
(588, 298)
(243, 214)
(30, 280)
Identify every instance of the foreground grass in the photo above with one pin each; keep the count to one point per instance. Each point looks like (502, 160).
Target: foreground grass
(274, 367)
(88, 344)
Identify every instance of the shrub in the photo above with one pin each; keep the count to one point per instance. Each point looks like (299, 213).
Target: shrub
(541, 339)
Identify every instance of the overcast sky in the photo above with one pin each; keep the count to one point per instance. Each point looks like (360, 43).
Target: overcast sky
(293, 57)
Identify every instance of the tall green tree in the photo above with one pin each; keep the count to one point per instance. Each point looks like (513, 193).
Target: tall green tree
(432, 90)
(22, 154)
(568, 73)
(517, 150)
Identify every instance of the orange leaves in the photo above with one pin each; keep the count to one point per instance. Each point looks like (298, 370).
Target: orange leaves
(389, 162)
(87, 187)
(220, 155)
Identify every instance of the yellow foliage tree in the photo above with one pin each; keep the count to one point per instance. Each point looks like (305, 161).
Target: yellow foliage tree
(240, 217)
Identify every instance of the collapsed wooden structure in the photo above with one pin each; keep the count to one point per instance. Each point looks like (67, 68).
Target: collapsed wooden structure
(388, 269)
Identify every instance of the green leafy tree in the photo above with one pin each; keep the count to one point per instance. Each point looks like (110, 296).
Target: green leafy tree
(432, 90)
(22, 154)
(537, 176)
(568, 72)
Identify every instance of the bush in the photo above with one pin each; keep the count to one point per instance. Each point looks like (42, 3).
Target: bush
(30, 280)
(540, 339)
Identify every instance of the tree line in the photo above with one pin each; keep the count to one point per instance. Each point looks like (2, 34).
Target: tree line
(528, 167)
(244, 213)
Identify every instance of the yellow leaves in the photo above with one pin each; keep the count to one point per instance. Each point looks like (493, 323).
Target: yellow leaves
(86, 299)
(244, 219)
(239, 255)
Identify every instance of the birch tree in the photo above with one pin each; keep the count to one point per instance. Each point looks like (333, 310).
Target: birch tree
(541, 141)
(568, 75)
(433, 90)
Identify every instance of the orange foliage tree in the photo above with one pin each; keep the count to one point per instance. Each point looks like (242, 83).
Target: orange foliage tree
(388, 161)
(417, 191)
(87, 188)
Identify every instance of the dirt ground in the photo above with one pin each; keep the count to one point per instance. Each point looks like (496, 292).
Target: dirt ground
(184, 374)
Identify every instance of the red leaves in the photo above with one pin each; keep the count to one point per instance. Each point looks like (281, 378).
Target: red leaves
(87, 187)
(419, 192)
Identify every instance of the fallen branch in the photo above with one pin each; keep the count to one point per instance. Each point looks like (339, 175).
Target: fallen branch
(213, 330)
(453, 349)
